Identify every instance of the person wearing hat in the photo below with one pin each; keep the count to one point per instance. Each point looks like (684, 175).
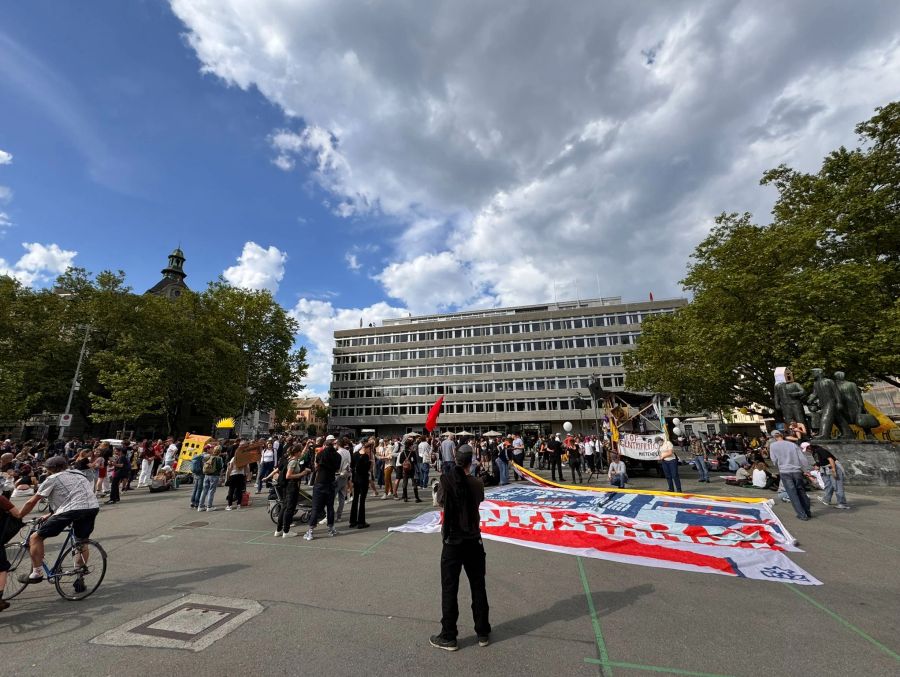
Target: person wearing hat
(791, 463)
(460, 495)
(72, 500)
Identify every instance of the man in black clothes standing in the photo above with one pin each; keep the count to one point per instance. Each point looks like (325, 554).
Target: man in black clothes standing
(460, 494)
(555, 449)
(328, 462)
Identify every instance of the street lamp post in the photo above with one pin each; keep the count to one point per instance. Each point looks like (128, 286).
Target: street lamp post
(87, 332)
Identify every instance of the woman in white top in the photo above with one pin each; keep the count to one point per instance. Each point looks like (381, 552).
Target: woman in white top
(669, 462)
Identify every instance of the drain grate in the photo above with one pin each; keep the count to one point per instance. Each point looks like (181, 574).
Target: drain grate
(192, 525)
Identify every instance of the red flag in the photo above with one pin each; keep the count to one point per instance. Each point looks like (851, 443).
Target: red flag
(431, 421)
(651, 296)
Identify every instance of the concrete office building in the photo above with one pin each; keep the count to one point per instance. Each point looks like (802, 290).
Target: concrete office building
(508, 369)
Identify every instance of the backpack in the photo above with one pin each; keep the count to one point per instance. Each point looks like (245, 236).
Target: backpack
(197, 465)
(211, 466)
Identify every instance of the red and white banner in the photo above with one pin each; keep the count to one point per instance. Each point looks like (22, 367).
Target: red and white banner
(641, 447)
(685, 533)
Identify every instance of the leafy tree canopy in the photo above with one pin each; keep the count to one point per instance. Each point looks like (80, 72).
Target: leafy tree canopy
(817, 287)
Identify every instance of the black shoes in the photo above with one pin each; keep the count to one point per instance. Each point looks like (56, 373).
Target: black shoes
(418, 500)
(79, 585)
(443, 643)
(27, 579)
(364, 525)
(3, 604)
(484, 640)
(110, 502)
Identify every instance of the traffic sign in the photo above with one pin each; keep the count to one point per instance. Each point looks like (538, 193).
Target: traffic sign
(65, 420)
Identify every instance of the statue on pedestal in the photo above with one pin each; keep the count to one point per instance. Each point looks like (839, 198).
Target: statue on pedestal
(826, 395)
(789, 399)
(854, 408)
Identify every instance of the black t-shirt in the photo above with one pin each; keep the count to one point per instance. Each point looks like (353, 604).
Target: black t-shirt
(822, 455)
(360, 463)
(462, 520)
(329, 463)
(555, 448)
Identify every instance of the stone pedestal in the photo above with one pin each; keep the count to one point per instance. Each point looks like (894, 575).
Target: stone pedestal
(867, 462)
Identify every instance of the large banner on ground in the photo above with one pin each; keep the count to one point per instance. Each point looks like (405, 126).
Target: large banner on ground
(641, 447)
(685, 533)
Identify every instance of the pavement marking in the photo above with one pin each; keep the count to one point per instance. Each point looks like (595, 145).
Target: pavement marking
(158, 539)
(192, 622)
(847, 624)
(652, 668)
(252, 531)
(605, 667)
(371, 548)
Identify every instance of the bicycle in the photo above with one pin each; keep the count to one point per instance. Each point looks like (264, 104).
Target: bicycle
(75, 575)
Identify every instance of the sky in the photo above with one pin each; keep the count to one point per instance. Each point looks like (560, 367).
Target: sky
(370, 160)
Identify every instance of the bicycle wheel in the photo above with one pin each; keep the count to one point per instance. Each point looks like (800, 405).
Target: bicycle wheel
(19, 562)
(275, 513)
(76, 578)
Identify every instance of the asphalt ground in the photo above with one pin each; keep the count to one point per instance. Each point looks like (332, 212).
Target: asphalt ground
(365, 602)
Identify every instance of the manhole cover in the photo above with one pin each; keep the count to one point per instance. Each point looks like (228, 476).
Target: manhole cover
(192, 622)
(192, 525)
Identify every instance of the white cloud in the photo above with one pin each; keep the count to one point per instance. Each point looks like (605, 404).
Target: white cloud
(39, 264)
(5, 193)
(257, 268)
(318, 322)
(6, 158)
(519, 148)
(352, 261)
(4, 222)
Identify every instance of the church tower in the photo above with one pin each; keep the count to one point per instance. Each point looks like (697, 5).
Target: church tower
(172, 283)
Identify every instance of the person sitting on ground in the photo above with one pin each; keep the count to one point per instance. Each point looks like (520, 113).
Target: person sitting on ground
(617, 474)
(762, 478)
(742, 476)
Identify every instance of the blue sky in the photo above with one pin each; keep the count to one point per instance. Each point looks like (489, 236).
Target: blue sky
(367, 160)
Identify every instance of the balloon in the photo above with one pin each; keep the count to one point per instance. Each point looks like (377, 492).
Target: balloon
(676, 421)
(567, 427)
(676, 431)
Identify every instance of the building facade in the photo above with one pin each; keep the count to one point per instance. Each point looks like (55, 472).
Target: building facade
(307, 414)
(507, 369)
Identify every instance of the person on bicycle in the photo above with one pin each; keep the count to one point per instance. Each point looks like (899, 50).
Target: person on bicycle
(72, 500)
(6, 508)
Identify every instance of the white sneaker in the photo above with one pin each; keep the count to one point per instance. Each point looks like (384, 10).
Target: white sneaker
(200, 509)
(332, 532)
(210, 509)
(278, 534)
(228, 508)
(308, 536)
(289, 534)
(823, 501)
(238, 508)
(385, 497)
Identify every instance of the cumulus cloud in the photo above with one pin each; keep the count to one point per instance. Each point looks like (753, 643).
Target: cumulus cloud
(525, 149)
(257, 268)
(6, 157)
(318, 322)
(39, 264)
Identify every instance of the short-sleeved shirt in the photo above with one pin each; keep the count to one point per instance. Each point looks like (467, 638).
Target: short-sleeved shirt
(822, 456)
(68, 490)
(329, 463)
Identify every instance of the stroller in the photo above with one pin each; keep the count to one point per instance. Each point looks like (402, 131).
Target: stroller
(276, 501)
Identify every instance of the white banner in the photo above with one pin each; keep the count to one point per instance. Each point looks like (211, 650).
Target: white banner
(641, 447)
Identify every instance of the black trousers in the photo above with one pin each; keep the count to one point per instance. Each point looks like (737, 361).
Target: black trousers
(237, 485)
(468, 555)
(576, 468)
(407, 476)
(554, 466)
(358, 507)
(114, 488)
(323, 504)
(288, 506)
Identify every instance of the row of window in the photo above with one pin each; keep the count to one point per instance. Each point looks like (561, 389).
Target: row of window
(570, 343)
(453, 408)
(429, 371)
(585, 322)
(474, 387)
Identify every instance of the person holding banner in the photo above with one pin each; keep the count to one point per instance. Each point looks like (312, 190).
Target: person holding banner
(669, 462)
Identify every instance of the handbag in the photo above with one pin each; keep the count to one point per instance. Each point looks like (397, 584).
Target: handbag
(11, 526)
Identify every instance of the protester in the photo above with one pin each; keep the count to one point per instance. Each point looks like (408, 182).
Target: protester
(327, 465)
(409, 458)
(791, 463)
(343, 476)
(387, 458)
(212, 470)
(236, 481)
(424, 451)
(833, 475)
(555, 452)
(361, 463)
(460, 495)
(295, 470)
(669, 462)
(617, 473)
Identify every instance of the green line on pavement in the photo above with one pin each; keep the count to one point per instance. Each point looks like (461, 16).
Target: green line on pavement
(652, 668)
(847, 624)
(595, 621)
(371, 548)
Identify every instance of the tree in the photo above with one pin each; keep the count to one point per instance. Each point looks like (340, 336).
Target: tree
(134, 390)
(819, 286)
